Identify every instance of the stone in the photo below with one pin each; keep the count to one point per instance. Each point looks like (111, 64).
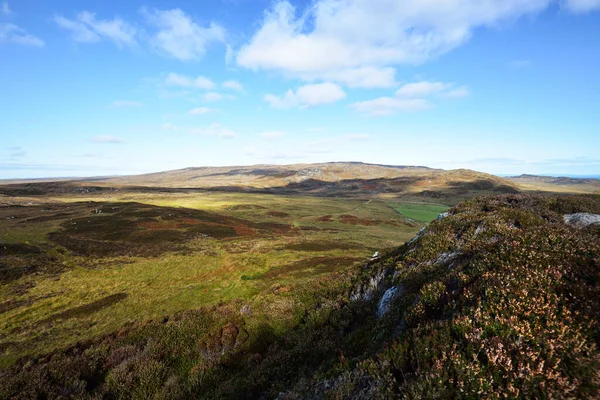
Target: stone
(384, 303)
(581, 220)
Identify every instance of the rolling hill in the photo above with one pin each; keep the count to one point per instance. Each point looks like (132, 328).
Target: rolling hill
(349, 179)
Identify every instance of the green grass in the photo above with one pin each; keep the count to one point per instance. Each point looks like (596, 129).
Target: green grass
(420, 211)
(43, 312)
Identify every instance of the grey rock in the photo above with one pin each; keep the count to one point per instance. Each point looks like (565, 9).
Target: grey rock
(384, 303)
(418, 235)
(366, 292)
(446, 258)
(442, 216)
(581, 220)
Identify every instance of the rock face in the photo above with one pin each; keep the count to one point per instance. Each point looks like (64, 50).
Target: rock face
(375, 285)
(384, 303)
(442, 216)
(582, 220)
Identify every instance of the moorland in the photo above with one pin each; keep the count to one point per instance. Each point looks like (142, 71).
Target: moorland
(242, 281)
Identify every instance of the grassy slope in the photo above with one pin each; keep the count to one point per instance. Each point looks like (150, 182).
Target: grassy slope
(421, 212)
(499, 299)
(37, 313)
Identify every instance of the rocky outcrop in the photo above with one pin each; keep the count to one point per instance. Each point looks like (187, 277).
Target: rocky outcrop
(386, 300)
(581, 220)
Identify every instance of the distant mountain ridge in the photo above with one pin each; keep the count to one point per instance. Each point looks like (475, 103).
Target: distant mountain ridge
(414, 183)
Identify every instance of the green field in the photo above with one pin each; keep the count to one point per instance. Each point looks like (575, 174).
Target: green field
(145, 256)
(419, 211)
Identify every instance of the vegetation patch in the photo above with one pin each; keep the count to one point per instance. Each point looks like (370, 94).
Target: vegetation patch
(321, 246)
(354, 220)
(86, 309)
(312, 266)
(18, 260)
(135, 229)
(278, 214)
(420, 211)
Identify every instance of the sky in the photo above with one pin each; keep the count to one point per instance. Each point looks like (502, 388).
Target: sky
(113, 87)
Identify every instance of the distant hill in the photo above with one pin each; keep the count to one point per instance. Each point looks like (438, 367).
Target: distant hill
(559, 184)
(345, 179)
(330, 179)
(325, 179)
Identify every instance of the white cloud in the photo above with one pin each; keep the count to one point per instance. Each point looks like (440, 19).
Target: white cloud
(107, 139)
(338, 40)
(273, 135)
(390, 105)
(125, 103)
(322, 93)
(212, 97)
(6, 9)
(422, 89)
(215, 130)
(581, 6)
(200, 111)
(85, 28)
(199, 82)
(363, 77)
(427, 89)
(10, 33)
(287, 101)
(179, 36)
(306, 96)
(234, 85)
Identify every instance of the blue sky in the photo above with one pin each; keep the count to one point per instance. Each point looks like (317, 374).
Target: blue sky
(102, 88)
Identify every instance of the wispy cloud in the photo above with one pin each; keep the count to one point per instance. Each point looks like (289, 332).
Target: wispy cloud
(428, 89)
(212, 97)
(5, 9)
(10, 33)
(107, 139)
(389, 105)
(306, 96)
(85, 28)
(178, 36)
(200, 82)
(411, 97)
(581, 6)
(234, 85)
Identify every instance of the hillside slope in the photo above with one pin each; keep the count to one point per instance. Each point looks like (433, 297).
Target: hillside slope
(498, 299)
(330, 179)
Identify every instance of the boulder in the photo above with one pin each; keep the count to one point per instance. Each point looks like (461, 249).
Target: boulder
(581, 220)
